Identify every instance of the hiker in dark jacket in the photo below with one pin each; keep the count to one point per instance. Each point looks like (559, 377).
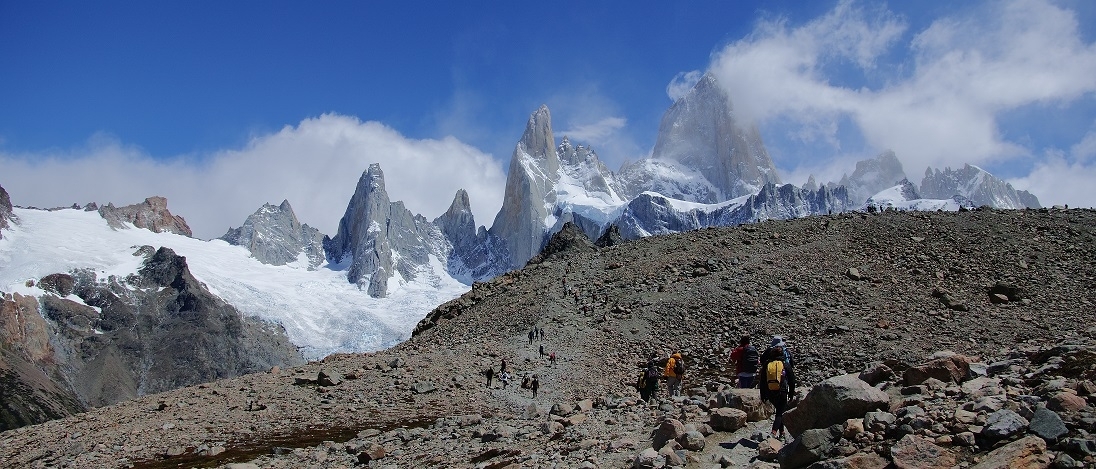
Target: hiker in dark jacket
(490, 374)
(746, 360)
(535, 385)
(777, 387)
(651, 372)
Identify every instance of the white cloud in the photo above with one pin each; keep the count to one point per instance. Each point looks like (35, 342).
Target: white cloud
(682, 83)
(938, 107)
(315, 165)
(589, 117)
(1057, 181)
(597, 131)
(1085, 149)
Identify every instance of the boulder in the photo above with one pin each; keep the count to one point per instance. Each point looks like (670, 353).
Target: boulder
(953, 369)
(834, 401)
(563, 409)
(1046, 424)
(876, 373)
(423, 387)
(649, 459)
(326, 378)
(746, 400)
(856, 461)
(810, 446)
(670, 429)
(915, 452)
(769, 449)
(1029, 452)
(727, 419)
(692, 441)
(1066, 401)
(1003, 424)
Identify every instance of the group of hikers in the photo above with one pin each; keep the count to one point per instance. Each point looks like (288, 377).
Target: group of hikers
(772, 372)
(530, 382)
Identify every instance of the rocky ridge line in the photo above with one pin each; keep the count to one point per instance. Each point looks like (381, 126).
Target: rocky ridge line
(846, 290)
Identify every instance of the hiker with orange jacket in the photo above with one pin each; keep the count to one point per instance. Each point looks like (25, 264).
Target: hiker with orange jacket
(674, 373)
(776, 380)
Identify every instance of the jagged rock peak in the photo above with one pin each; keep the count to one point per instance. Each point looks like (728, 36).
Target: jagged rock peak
(611, 237)
(275, 237)
(909, 190)
(152, 215)
(534, 169)
(873, 175)
(811, 184)
(538, 140)
(5, 209)
(699, 135)
(569, 238)
(460, 203)
(977, 185)
(360, 234)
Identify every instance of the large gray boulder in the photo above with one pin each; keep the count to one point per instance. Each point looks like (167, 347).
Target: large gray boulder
(834, 401)
(810, 446)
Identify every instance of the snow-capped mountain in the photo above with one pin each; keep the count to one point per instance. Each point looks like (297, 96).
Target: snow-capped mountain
(275, 237)
(321, 311)
(977, 185)
(871, 176)
(904, 196)
(379, 240)
(703, 153)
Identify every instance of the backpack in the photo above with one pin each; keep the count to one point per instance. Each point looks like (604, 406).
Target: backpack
(774, 375)
(679, 367)
(653, 372)
(750, 360)
(642, 381)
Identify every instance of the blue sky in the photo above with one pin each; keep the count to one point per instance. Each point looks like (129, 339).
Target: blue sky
(222, 106)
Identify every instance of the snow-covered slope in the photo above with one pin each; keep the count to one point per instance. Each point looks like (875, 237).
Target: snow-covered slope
(321, 311)
(904, 197)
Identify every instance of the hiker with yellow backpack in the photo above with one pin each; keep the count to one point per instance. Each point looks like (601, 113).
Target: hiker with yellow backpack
(777, 380)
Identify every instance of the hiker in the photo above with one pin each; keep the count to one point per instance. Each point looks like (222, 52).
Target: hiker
(535, 385)
(504, 378)
(649, 378)
(674, 373)
(746, 359)
(490, 374)
(542, 349)
(502, 368)
(777, 381)
(552, 358)
(532, 333)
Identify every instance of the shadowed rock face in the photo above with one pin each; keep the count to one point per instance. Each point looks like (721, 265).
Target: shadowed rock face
(152, 214)
(275, 237)
(153, 331)
(5, 209)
